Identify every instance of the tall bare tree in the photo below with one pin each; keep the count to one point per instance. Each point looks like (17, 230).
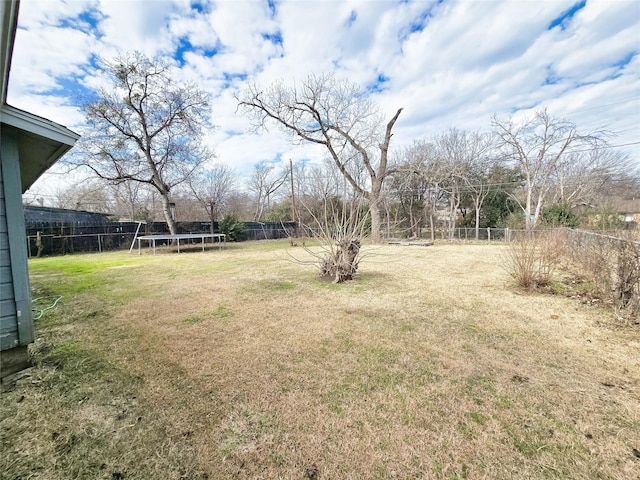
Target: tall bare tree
(470, 164)
(90, 196)
(540, 144)
(212, 189)
(411, 186)
(424, 176)
(129, 198)
(337, 115)
(265, 181)
(145, 127)
(590, 176)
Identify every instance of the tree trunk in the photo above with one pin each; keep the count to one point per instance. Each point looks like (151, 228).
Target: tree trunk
(432, 227)
(538, 209)
(527, 210)
(39, 244)
(387, 216)
(453, 206)
(212, 217)
(374, 210)
(411, 223)
(168, 215)
(342, 265)
(477, 205)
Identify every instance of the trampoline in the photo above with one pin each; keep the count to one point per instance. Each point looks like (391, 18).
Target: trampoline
(152, 239)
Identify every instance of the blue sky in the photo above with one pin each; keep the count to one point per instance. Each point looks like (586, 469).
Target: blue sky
(448, 63)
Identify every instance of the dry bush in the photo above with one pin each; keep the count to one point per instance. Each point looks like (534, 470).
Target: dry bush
(520, 261)
(551, 252)
(342, 265)
(340, 227)
(533, 258)
(591, 257)
(611, 263)
(627, 279)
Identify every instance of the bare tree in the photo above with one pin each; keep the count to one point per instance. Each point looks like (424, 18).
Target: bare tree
(89, 196)
(429, 178)
(239, 205)
(129, 198)
(454, 163)
(337, 115)
(410, 187)
(323, 180)
(589, 176)
(313, 186)
(212, 189)
(473, 167)
(540, 145)
(265, 181)
(145, 127)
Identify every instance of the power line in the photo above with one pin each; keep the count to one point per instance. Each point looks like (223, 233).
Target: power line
(628, 100)
(604, 147)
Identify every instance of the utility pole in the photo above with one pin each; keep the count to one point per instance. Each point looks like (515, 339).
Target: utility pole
(293, 194)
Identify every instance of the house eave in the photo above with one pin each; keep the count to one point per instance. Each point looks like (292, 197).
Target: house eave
(41, 142)
(37, 125)
(9, 22)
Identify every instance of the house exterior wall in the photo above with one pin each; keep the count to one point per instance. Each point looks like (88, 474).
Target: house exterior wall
(16, 322)
(8, 323)
(28, 146)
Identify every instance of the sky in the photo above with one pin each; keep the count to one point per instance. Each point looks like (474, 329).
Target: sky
(449, 64)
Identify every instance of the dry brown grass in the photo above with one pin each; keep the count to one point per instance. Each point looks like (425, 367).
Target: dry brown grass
(241, 364)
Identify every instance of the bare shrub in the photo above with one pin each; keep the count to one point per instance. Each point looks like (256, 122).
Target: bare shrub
(341, 264)
(627, 280)
(611, 263)
(551, 247)
(590, 257)
(520, 261)
(533, 258)
(340, 227)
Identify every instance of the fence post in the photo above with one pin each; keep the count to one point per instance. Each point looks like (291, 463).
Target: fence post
(489, 234)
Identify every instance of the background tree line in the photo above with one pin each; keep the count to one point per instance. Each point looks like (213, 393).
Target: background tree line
(144, 147)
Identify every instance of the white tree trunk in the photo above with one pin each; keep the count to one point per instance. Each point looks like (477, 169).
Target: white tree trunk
(168, 214)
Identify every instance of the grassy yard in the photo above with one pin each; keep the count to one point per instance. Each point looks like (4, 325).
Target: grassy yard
(241, 364)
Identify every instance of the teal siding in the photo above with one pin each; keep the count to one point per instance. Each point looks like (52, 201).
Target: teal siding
(8, 320)
(16, 323)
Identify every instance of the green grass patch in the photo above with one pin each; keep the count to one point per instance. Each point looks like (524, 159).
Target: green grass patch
(192, 320)
(585, 287)
(74, 274)
(558, 287)
(525, 443)
(480, 388)
(222, 311)
(278, 286)
(478, 417)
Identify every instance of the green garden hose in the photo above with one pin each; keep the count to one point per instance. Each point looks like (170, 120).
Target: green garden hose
(37, 312)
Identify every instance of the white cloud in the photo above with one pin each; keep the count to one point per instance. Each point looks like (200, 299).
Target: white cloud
(137, 25)
(449, 64)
